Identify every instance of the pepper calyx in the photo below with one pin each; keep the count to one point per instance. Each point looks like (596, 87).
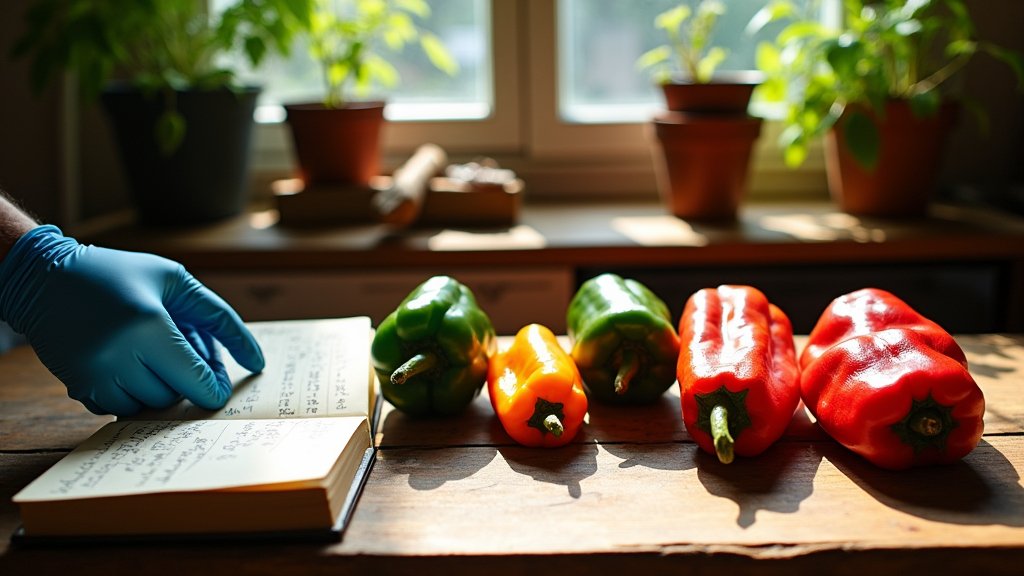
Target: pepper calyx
(926, 425)
(547, 417)
(723, 414)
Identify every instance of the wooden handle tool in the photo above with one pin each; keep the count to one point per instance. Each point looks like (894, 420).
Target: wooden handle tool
(400, 203)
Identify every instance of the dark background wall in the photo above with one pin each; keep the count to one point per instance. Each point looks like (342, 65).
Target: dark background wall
(32, 163)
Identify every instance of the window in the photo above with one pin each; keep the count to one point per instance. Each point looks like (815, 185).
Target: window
(423, 93)
(548, 87)
(599, 42)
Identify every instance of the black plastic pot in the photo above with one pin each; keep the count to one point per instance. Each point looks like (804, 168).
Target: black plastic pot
(206, 177)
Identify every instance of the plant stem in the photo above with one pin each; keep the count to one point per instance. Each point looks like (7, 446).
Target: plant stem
(939, 76)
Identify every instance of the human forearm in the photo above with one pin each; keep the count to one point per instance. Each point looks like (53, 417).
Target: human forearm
(13, 224)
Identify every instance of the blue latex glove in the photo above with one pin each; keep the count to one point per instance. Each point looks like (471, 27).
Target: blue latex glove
(122, 330)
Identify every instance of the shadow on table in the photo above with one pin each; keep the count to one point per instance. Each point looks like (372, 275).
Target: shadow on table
(668, 456)
(777, 480)
(983, 488)
(565, 466)
(988, 355)
(475, 426)
(659, 421)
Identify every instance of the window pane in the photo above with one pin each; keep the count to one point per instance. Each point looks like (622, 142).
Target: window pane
(423, 92)
(600, 41)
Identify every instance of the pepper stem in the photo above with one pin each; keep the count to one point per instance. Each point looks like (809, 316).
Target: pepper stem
(720, 434)
(553, 425)
(627, 371)
(418, 364)
(547, 417)
(927, 424)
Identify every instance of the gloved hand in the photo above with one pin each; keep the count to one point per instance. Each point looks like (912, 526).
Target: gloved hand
(122, 330)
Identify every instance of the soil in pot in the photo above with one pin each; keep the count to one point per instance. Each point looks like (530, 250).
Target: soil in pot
(909, 159)
(206, 177)
(337, 145)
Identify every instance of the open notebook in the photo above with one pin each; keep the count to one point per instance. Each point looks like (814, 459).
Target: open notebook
(286, 457)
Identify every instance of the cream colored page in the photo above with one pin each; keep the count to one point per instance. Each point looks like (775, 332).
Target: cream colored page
(136, 457)
(313, 368)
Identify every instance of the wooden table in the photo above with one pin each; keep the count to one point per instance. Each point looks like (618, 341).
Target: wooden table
(631, 495)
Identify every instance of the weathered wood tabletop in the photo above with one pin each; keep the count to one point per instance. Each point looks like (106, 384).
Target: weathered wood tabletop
(631, 493)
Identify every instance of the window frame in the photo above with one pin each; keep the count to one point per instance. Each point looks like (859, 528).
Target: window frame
(556, 158)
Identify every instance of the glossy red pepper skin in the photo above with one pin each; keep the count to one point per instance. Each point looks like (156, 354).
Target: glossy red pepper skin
(736, 349)
(871, 310)
(890, 384)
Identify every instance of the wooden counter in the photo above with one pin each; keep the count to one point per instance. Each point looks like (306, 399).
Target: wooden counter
(631, 495)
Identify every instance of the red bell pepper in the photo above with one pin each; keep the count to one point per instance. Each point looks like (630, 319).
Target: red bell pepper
(890, 384)
(737, 371)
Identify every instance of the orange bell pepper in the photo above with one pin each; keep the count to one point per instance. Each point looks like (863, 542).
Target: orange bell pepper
(536, 389)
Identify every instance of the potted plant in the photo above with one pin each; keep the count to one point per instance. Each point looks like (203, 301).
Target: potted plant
(337, 139)
(706, 136)
(876, 89)
(181, 121)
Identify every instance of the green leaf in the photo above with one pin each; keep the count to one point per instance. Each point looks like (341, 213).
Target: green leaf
(381, 71)
(255, 49)
(909, 27)
(861, 137)
(653, 57)
(773, 12)
(1012, 59)
(169, 131)
(794, 145)
(800, 30)
(925, 104)
(772, 90)
(438, 54)
(961, 48)
(417, 7)
(795, 154)
(843, 55)
(671, 19)
(768, 59)
(707, 65)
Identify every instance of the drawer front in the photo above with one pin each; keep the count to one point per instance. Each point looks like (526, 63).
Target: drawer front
(512, 299)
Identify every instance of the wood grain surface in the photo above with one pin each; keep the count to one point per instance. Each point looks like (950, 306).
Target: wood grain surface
(631, 493)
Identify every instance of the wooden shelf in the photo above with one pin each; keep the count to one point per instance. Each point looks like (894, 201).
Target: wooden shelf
(801, 254)
(603, 234)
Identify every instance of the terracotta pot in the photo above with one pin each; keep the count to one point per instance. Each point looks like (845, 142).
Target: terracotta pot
(206, 177)
(704, 162)
(909, 160)
(726, 93)
(337, 145)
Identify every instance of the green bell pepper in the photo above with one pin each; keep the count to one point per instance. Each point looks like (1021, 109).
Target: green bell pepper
(431, 353)
(623, 340)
